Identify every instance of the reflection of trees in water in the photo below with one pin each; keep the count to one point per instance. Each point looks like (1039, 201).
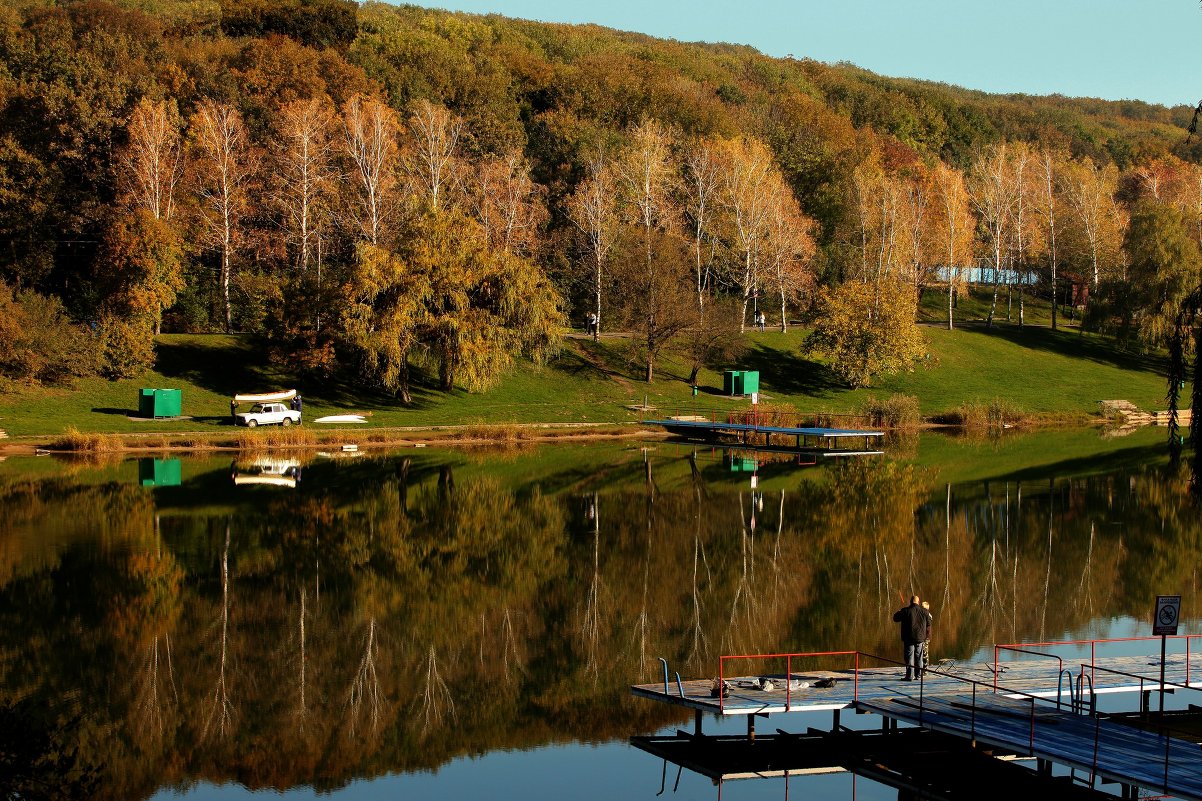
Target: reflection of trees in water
(436, 701)
(557, 603)
(591, 614)
(220, 718)
(364, 701)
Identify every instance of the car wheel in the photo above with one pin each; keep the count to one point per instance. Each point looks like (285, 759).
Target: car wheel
(287, 421)
(251, 423)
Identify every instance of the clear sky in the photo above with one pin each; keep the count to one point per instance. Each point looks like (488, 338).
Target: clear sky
(1115, 49)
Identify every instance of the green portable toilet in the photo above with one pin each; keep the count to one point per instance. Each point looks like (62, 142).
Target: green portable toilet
(160, 403)
(741, 464)
(160, 472)
(740, 382)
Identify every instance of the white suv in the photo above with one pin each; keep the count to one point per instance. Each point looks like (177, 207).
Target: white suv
(264, 414)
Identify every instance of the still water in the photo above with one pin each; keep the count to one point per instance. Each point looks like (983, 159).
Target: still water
(441, 624)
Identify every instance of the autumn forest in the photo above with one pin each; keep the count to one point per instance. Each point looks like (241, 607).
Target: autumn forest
(395, 194)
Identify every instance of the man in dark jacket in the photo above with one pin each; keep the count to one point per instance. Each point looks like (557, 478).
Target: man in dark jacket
(914, 622)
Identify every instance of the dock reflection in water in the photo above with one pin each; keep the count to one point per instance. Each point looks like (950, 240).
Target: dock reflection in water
(394, 614)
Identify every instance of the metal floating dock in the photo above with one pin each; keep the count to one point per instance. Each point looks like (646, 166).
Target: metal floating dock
(1040, 705)
(921, 763)
(813, 438)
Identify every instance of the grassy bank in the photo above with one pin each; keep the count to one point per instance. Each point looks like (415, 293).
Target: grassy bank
(1033, 370)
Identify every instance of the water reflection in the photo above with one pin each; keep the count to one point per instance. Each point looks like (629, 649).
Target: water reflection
(392, 612)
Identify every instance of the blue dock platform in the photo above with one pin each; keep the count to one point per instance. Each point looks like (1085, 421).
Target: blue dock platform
(827, 441)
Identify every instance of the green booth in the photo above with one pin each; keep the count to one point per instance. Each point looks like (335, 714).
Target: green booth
(160, 472)
(160, 403)
(740, 382)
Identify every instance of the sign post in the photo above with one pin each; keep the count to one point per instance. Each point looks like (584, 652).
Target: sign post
(1164, 625)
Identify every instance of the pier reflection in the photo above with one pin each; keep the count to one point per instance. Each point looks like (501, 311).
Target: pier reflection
(392, 612)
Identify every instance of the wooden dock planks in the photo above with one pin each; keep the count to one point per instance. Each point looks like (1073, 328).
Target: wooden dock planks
(1039, 677)
(1114, 751)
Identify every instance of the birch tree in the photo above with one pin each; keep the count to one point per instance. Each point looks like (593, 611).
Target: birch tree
(747, 164)
(954, 218)
(152, 161)
(1090, 190)
(369, 130)
(508, 203)
(303, 153)
(1048, 200)
(224, 167)
(645, 182)
(701, 182)
(431, 162)
(788, 245)
(991, 189)
(1021, 230)
(593, 209)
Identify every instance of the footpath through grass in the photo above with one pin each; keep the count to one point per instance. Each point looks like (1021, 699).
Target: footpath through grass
(1033, 369)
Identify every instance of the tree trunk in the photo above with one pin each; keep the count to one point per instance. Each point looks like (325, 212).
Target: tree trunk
(597, 310)
(225, 283)
(997, 279)
(1055, 300)
(951, 293)
(406, 397)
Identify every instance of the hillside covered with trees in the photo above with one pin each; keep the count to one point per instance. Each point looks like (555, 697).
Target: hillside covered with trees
(396, 194)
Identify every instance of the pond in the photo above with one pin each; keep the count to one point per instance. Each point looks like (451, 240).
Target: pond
(466, 624)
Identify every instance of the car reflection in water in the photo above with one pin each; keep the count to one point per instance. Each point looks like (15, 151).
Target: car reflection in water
(273, 472)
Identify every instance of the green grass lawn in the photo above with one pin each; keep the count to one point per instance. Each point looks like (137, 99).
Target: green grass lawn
(1033, 368)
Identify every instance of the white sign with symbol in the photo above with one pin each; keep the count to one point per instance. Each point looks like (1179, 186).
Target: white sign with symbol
(1168, 612)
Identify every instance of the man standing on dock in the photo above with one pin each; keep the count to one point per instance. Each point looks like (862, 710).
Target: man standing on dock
(915, 623)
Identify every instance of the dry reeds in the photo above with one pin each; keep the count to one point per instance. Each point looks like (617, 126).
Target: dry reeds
(77, 441)
(496, 432)
(897, 412)
(991, 416)
(276, 437)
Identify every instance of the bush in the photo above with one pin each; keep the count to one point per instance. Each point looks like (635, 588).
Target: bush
(897, 412)
(41, 345)
(127, 347)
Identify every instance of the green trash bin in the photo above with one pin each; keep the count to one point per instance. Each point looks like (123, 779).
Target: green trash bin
(160, 403)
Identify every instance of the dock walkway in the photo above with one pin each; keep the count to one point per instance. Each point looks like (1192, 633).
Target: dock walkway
(1109, 751)
(824, 438)
(747, 695)
(1039, 704)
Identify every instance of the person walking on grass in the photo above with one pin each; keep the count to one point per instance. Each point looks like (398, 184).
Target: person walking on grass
(915, 624)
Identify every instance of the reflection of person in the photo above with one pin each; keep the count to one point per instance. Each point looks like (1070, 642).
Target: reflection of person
(914, 627)
(925, 656)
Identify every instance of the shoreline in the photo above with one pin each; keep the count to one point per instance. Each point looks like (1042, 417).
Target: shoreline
(463, 435)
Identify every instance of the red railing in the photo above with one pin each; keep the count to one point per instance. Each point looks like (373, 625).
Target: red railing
(722, 660)
(1162, 729)
(1093, 648)
(1025, 650)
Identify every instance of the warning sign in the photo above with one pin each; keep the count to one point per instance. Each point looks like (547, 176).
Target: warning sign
(1168, 612)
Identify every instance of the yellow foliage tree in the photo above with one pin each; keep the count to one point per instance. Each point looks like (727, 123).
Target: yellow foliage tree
(866, 330)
